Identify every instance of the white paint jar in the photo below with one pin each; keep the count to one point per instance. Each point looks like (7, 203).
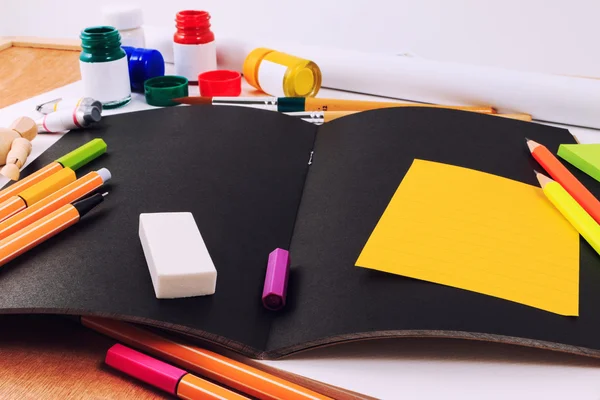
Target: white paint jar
(128, 20)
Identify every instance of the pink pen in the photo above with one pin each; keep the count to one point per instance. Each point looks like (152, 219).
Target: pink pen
(166, 377)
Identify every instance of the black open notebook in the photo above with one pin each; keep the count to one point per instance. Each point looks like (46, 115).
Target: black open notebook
(245, 176)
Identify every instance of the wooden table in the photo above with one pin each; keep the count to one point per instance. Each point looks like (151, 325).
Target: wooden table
(49, 356)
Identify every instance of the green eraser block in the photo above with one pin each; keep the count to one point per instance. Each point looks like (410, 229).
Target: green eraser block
(586, 157)
(84, 154)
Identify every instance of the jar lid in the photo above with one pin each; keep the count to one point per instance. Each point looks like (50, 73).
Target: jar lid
(161, 91)
(220, 83)
(123, 17)
(252, 63)
(143, 65)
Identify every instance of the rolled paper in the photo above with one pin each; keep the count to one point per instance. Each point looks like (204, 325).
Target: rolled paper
(546, 97)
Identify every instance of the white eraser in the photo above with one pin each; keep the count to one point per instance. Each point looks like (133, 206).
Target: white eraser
(178, 260)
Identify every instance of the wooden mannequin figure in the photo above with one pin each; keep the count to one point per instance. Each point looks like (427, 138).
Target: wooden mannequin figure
(15, 146)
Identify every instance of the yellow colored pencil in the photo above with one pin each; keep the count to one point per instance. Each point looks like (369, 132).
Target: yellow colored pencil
(571, 210)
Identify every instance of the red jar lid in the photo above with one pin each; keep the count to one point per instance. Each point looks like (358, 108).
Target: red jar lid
(220, 83)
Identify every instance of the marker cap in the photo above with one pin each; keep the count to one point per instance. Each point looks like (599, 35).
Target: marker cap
(275, 288)
(104, 174)
(144, 368)
(143, 65)
(48, 186)
(161, 91)
(220, 83)
(84, 154)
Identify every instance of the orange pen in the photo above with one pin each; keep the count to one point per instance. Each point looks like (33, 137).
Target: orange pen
(567, 180)
(43, 229)
(75, 159)
(216, 367)
(37, 192)
(73, 191)
(166, 377)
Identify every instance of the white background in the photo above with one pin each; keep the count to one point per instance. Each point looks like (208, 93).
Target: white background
(548, 36)
(559, 36)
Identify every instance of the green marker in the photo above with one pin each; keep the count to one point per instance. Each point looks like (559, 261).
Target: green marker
(73, 160)
(83, 155)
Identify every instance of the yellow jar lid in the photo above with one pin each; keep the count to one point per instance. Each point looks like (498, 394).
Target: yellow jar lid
(304, 82)
(251, 64)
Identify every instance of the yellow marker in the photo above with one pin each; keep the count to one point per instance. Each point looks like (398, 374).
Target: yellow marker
(571, 210)
(36, 192)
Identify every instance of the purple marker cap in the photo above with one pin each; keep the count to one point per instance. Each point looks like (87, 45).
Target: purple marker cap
(275, 289)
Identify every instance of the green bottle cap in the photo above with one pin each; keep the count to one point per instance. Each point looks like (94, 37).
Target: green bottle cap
(161, 90)
(83, 155)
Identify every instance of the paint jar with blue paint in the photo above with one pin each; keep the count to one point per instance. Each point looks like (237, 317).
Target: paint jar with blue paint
(143, 65)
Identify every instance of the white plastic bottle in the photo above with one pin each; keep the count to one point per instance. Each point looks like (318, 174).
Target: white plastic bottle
(128, 20)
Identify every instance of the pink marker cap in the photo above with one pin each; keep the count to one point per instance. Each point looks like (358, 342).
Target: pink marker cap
(144, 368)
(275, 288)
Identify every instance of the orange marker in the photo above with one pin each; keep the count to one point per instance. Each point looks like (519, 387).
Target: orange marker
(37, 192)
(43, 229)
(68, 194)
(216, 367)
(75, 159)
(31, 180)
(567, 180)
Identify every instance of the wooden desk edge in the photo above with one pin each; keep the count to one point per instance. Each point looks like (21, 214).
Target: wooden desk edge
(39, 43)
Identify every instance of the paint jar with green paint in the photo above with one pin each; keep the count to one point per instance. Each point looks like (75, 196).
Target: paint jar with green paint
(104, 68)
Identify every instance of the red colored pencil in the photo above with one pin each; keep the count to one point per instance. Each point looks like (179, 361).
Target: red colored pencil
(561, 174)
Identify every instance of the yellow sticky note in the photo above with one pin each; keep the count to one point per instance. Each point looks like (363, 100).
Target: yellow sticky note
(480, 232)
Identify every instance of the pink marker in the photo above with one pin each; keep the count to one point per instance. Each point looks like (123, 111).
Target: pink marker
(164, 376)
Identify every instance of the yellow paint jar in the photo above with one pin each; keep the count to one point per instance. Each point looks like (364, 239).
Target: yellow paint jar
(282, 75)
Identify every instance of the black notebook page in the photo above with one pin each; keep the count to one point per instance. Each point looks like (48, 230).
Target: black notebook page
(239, 171)
(358, 163)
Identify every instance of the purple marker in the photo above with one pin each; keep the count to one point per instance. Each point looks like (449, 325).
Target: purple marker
(275, 289)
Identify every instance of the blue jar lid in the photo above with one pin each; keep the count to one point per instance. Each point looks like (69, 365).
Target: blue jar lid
(143, 65)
